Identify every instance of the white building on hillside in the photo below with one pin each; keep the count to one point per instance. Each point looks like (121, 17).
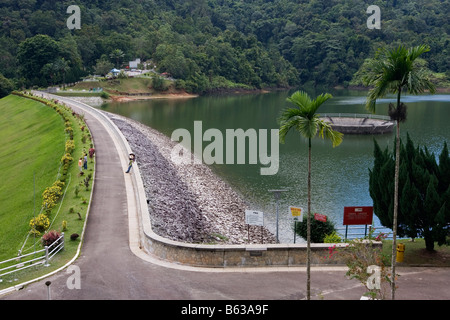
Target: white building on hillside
(134, 64)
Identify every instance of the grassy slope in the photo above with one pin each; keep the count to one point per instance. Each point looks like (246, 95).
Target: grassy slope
(32, 141)
(21, 117)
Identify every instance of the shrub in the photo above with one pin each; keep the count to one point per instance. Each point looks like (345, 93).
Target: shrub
(66, 160)
(332, 238)
(50, 237)
(319, 229)
(104, 95)
(69, 131)
(74, 236)
(359, 256)
(363, 257)
(70, 146)
(51, 195)
(39, 224)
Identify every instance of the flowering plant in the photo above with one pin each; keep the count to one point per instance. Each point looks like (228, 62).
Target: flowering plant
(39, 224)
(51, 195)
(66, 159)
(70, 146)
(50, 237)
(362, 257)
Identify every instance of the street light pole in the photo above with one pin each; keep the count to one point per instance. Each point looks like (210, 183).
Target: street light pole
(48, 283)
(277, 194)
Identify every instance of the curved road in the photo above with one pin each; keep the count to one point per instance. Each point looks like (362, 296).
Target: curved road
(109, 269)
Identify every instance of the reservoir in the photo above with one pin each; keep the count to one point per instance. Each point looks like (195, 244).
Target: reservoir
(340, 176)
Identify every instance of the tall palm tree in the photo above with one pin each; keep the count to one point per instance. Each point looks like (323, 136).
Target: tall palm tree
(394, 71)
(63, 67)
(304, 119)
(117, 55)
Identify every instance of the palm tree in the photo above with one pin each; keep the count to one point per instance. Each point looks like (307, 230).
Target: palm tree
(394, 71)
(63, 67)
(117, 55)
(305, 120)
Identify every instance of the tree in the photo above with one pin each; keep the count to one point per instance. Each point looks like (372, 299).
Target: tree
(393, 71)
(424, 192)
(50, 71)
(117, 55)
(304, 119)
(63, 67)
(103, 67)
(34, 53)
(319, 229)
(6, 86)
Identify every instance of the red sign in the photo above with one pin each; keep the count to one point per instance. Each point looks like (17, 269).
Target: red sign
(320, 217)
(358, 215)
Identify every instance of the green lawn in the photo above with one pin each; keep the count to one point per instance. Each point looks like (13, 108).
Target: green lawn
(33, 143)
(416, 254)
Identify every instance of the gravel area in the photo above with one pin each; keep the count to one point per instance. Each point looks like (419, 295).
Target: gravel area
(187, 203)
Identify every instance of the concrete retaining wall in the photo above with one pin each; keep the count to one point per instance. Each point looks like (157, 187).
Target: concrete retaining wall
(229, 256)
(221, 256)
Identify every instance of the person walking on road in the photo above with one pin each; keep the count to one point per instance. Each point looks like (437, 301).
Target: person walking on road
(130, 164)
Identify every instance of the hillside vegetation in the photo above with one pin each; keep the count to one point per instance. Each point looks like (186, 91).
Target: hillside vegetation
(207, 44)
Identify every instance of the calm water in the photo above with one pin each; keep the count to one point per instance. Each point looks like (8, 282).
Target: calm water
(339, 175)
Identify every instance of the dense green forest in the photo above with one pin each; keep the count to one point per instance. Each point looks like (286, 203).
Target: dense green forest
(208, 44)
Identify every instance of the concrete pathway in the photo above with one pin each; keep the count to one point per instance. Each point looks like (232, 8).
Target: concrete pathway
(112, 267)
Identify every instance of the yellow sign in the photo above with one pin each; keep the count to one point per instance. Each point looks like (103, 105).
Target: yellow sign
(297, 213)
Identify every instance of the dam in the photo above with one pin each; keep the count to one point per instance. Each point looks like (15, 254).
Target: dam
(348, 123)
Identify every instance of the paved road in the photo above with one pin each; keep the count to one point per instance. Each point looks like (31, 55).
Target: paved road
(110, 270)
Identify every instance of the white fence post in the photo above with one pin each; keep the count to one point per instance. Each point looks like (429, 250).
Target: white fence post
(46, 264)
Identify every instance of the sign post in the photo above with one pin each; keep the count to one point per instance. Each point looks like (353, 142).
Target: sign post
(297, 215)
(357, 216)
(320, 217)
(254, 218)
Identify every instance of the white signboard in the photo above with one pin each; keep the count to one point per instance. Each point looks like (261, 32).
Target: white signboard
(296, 213)
(254, 218)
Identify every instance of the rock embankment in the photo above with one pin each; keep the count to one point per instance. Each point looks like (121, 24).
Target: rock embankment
(187, 203)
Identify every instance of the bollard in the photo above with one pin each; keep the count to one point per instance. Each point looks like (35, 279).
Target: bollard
(400, 252)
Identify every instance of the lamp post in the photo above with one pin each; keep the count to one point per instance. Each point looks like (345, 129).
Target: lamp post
(48, 283)
(277, 194)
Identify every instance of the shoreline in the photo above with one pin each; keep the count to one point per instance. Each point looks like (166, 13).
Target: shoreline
(184, 95)
(362, 88)
(122, 98)
(187, 203)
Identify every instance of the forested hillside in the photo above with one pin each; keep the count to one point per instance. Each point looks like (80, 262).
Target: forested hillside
(213, 43)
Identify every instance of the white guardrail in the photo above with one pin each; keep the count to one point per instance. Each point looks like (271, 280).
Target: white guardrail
(40, 257)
